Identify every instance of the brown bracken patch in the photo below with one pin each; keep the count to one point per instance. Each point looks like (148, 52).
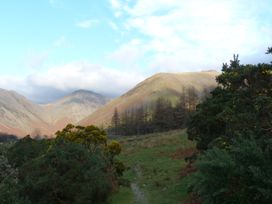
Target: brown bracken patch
(188, 169)
(184, 153)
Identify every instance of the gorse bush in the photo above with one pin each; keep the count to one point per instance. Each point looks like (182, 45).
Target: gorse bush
(240, 105)
(241, 174)
(233, 131)
(26, 149)
(67, 173)
(78, 166)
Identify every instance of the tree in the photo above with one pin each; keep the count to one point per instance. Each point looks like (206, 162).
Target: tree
(233, 129)
(240, 105)
(163, 115)
(78, 166)
(7, 138)
(92, 138)
(67, 173)
(269, 50)
(180, 111)
(8, 179)
(115, 122)
(192, 98)
(26, 149)
(241, 174)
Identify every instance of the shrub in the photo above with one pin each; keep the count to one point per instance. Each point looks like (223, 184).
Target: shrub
(241, 174)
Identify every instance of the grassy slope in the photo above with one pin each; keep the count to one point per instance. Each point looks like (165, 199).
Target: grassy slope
(153, 167)
(167, 85)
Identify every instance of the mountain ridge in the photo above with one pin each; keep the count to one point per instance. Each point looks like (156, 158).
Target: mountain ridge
(159, 85)
(20, 116)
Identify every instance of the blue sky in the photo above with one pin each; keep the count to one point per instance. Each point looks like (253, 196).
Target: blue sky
(51, 47)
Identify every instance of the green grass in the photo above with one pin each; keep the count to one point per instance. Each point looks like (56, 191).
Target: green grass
(152, 166)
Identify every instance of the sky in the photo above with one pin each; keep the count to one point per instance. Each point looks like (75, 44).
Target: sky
(49, 48)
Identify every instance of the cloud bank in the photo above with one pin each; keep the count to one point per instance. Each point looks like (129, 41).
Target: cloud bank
(57, 81)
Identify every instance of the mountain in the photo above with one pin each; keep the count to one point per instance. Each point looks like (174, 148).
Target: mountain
(168, 85)
(73, 108)
(20, 116)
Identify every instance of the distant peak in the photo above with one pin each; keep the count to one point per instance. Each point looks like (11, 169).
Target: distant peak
(83, 91)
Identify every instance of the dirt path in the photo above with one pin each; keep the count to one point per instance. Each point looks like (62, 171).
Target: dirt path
(137, 192)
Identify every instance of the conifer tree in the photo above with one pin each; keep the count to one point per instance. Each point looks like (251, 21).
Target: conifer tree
(115, 122)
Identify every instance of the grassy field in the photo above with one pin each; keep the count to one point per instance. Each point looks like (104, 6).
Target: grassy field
(155, 162)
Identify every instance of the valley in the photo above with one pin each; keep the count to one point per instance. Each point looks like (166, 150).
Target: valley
(21, 117)
(136, 102)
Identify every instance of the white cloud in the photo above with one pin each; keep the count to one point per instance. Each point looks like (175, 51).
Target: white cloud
(180, 35)
(117, 6)
(87, 23)
(11, 82)
(49, 85)
(129, 53)
(82, 75)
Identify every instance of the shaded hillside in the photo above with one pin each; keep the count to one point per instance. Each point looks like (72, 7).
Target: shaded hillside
(167, 85)
(73, 108)
(19, 116)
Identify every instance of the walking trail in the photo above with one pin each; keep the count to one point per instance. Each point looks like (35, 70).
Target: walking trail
(137, 192)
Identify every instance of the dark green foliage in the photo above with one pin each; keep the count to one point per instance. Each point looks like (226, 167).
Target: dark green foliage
(115, 122)
(163, 115)
(269, 50)
(207, 123)
(136, 121)
(180, 112)
(192, 98)
(6, 170)
(233, 130)
(26, 149)
(8, 178)
(241, 105)
(79, 166)
(7, 138)
(158, 117)
(67, 173)
(241, 174)
(94, 139)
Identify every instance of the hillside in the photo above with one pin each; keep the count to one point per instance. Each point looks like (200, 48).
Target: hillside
(168, 85)
(20, 116)
(73, 108)
(155, 168)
